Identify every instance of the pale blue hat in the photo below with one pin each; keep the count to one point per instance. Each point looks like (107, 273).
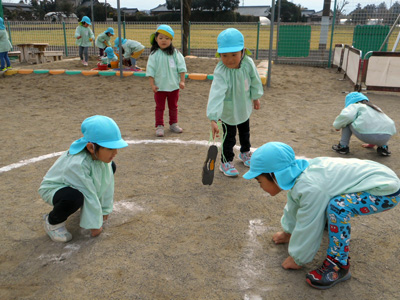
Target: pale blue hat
(165, 30)
(116, 42)
(110, 30)
(230, 40)
(110, 52)
(277, 158)
(86, 20)
(101, 130)
(354, 97)
(2, 27)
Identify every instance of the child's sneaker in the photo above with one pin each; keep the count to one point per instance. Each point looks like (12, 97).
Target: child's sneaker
(228, 169)
(3, 70)
(85, 63)
(58, 232)
(245, 158)
(330, 273)
(175, 128)
(341, 149)
(9, 68)
(384, 151)
(160, 131)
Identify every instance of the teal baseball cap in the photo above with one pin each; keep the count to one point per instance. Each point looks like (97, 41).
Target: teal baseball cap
(2, 27)
(86, 20)
(116, 42)
(110, 52)
(165, 30)
(230, 40)
(110, 30)
(354, 97)
(277, 158)
(101, 130)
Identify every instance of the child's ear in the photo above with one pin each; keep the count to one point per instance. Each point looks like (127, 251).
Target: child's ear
(90, 147)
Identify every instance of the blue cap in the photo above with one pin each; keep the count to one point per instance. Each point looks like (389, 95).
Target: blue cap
(110, 52)
(2, 27)
(101, 130)
(110, 30)
(86, 20)
(116, 42)
(277, 158)
(354, 97)
(163, 29)
(230, 40)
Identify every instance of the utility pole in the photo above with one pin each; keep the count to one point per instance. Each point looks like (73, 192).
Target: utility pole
(323, 39)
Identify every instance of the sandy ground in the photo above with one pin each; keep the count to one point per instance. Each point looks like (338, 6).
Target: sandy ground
(170, 237)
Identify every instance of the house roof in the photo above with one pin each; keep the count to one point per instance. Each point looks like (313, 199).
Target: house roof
(15, 6)
(257, 11)
(160, 8)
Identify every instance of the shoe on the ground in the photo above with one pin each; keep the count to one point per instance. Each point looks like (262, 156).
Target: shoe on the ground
(58, 232)
(175, 128)
(383, 150)
(245, 158)
(85, 63)
(341, 149)
(160, 131)
(330, 273)
(9, 68)
(228, 169)
(209, 165)
(3, 70)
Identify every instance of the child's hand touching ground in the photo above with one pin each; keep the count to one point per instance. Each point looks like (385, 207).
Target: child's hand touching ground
(281, 237)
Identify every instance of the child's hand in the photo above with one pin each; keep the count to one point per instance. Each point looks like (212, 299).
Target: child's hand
(182, 85)
(281, 237)
(96, 232)
(154, 88)
(290, 264)
(105, 218)
(256, 104)
(215, 129)
(91, 39)
(79, 37)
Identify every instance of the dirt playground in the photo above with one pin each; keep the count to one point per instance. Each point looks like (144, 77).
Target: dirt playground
(171, 237)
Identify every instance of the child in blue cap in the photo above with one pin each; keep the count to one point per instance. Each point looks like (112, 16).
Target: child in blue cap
(234, 93)
(83, 177)
(110, 56)
(131, 51)
(322, 190)
(103, 40)
(166, 70)
(84, 37)
(368, 123)
(5, 46)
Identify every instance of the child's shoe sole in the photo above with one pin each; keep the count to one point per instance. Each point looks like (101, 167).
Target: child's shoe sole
(209, 165)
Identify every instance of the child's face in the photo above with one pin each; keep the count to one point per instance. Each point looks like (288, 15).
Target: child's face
(268, 186)
(163, 41)
(105, 155)
(86, 25)
(231, 60)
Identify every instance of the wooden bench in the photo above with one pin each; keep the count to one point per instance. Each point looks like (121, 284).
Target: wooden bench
(42, 55)
(15, 53)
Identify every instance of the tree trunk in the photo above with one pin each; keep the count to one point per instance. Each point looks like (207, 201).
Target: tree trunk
(187, 5)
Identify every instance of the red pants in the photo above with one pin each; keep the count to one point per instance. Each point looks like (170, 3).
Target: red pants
(160, 98)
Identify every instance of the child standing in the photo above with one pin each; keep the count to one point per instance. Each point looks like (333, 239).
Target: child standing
(84, 37)
(322, 190)
(166, 70)
(235, 90)
(5, 46)
(83, 177)
(366, 121)
(131, 51)
(103, 40)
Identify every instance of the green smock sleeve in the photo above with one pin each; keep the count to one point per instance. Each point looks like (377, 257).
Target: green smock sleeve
(256, 88)
(216, 97)
(5, 44)
(180, 61)
(346, 117)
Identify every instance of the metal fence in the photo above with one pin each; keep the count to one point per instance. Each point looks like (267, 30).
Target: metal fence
(292, 43)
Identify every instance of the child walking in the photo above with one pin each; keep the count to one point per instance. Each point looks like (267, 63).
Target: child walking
(166, 70)
(131, 51)
(322, 190)
(234, 92)
(5, 46)
(103, 40)
(83, 177)
(84, 37)
(368, 123)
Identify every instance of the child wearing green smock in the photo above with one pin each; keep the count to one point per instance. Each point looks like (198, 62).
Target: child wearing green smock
(5, 46)
(103, 40)
(110, 56)
(322, 190)
(131, 51)
(83, 177)
(84, 37)
(235, 91)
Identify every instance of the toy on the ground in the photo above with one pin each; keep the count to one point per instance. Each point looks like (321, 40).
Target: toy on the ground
(209, 165)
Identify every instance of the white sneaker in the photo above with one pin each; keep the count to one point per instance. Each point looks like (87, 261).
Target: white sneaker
(175, 128)
(58, 232)
(160, 131)
(85, 63)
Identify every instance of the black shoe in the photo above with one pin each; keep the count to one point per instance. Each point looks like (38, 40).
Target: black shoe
(341, 149)
(330, 273)
(384, 151)
(209, 165)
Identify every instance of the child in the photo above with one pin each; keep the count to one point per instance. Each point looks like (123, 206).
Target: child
(110, 56)
(103, 40)
(83, 177)
(166, 70)
(366, 121)
(131, 51)
(235, 90)
(320, 190)
(84, 37)
(5, 46)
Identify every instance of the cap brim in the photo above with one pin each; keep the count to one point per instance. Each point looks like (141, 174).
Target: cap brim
(114, 145)
(250, 175)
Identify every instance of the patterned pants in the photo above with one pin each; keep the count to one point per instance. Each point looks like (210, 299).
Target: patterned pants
(339, 211)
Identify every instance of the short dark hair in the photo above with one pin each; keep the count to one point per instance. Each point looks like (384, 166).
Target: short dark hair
(269, 176)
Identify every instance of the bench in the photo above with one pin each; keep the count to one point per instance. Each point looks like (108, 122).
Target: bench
(42, 55)
(15, 53)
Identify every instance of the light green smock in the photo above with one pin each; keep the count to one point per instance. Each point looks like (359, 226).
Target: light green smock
(233, 91)
(166, 69)
(365, 120)
(5, 44)
(93, 178)
(131, 47)
(106, 60)
(86, 33)
(304, 214)
(101, 38)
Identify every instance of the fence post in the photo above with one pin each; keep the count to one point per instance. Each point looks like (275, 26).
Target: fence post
(258, 38)
(124, 29)
(189, 38)
(65, 40)
(9, 31)
(332, 31)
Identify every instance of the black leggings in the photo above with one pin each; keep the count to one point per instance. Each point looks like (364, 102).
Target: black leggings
(66, 201)
(230, 139)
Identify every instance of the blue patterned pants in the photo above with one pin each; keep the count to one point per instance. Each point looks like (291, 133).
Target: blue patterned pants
(339, 211)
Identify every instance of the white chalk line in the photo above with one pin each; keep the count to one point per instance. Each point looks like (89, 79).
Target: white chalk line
(26, 162)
